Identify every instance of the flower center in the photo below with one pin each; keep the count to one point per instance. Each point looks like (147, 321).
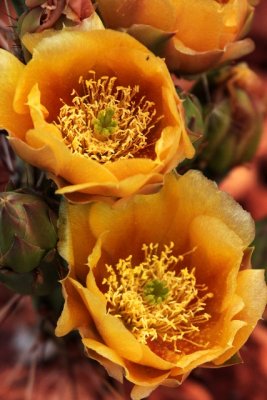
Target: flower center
(155, 291)
(156, 300)
(109, 122)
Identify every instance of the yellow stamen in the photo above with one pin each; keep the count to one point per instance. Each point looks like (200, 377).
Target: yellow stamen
(109, 121)
(154, 300)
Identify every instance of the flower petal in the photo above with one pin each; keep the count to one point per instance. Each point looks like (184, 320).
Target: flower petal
(217, 265)
(111, 329)
(199, 195)
(113, 363)
(64, 71)
(252, 289)
(113, 332)
(76, 239)
(237, 49)
(11, 69)
(73, 166)
(74, 314)
(183, 59)
(145, 378)
(177, 204)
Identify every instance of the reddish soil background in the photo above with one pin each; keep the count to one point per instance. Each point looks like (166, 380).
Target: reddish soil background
(32, 368)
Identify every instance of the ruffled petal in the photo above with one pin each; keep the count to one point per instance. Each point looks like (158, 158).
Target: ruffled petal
(11, 69)
(252, 289)
(180, 201)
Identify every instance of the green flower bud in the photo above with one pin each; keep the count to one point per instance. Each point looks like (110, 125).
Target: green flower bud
(233, 122)
(27, 231)
(193, 114)
(195, 125)
(41, 281)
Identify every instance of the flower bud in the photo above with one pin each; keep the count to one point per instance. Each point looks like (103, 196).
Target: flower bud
(29, 262)
(193, 115)
(233, 125)
(41, 281)
(195, 125)
(27, 231)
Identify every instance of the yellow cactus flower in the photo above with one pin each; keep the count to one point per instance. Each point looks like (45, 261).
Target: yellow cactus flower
(192, 35)
(160, 284)
(97, 110)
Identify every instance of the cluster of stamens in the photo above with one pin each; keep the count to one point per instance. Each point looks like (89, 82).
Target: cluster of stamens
(109, 121)
(156, 299)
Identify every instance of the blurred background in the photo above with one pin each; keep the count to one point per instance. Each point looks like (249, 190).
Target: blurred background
(33, 368)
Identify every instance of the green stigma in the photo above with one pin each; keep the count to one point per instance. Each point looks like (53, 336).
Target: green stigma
(155, 291)
(104, 125)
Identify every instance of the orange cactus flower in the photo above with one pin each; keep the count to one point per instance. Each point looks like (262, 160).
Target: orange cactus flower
(192, 35)
(97, 110)
(161, 284)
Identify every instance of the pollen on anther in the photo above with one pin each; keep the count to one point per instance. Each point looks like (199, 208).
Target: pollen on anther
(108, 121)
(155, 301)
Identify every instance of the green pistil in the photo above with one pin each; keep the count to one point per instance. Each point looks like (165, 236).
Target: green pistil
(104, 125)
(155, 291)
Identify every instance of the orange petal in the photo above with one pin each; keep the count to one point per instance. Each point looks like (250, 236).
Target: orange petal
(217, 265)
(42, 157)
(76, 240)
(74, 314)
(110, 360)
(127, 13)
(198, 195)
(252, 289)
(217, 23)
(11, 69)
(111, 329)
(123, 188)
(145, 378)
(237, 49)
(175, 206)
(124, 169)
(73, 166)
(220, 336)
(183, 59)
(51, 58)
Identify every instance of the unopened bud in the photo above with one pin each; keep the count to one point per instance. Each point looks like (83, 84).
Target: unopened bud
(234, 120)
(27, 231)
